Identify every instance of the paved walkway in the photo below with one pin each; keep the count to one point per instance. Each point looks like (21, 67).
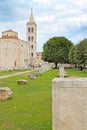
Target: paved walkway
(18, 73)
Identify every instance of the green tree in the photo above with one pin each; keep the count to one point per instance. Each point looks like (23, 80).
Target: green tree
(81, 53)
(72, 57)
(56, 50)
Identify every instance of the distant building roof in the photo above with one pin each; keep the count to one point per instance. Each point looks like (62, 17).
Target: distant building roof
(39, 52)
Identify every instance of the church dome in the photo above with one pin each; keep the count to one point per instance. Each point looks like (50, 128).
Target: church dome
(9, 34)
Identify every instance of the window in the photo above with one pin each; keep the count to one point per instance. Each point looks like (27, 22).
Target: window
(31, 46)
(28, 38)
(31, 54)
(28, 29)
(32, 29)
(32, 38)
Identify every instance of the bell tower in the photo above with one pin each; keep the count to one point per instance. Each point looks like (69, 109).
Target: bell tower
(31, 38)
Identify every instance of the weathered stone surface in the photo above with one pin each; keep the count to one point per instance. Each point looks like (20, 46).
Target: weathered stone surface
(62, 72)
(38, 74)
(32, 76)
(22, 81)
(69, 104)
(5, 93)
(46, 67)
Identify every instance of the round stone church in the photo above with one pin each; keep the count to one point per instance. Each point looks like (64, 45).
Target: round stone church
(17, 53)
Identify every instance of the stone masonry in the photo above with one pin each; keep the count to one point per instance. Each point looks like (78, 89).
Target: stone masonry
(5, 93)
(69, 104)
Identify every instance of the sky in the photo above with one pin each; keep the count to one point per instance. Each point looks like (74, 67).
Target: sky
(66, 18)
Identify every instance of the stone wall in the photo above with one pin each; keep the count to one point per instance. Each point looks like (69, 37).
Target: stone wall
(45, 67)
(69, 104)
(12, 53)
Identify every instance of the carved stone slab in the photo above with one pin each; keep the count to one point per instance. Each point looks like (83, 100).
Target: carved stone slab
(69, 104)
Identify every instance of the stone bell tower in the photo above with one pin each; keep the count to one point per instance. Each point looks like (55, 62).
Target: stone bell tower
(31, 38)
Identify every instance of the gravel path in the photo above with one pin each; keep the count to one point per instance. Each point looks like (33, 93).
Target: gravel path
(19, 73)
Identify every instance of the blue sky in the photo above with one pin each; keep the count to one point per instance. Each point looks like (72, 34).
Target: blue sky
(53, 18)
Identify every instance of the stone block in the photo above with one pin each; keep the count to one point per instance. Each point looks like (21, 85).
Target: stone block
(5, 93)
(38, 74)
(22, 81)
(32, 76)
(62, 73)
(69, 104)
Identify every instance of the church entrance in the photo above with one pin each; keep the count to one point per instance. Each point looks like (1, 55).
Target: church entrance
(15, 63)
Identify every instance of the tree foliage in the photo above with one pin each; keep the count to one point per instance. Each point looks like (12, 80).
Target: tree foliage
(56, 50)
(72, 57)
(81, 52)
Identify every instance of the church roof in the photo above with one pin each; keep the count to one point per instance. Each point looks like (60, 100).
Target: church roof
(10, 31)
(9, 37)
(9, 34)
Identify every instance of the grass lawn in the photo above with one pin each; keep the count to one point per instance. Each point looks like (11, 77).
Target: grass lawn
(31, 105)
(76, 73)
(2, 73)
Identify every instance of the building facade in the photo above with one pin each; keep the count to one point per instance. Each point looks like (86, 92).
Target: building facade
(39, 60)
(12, 50)
(15, 52)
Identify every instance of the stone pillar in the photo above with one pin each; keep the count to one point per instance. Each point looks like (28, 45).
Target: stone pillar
(69, 104)
(61, 71)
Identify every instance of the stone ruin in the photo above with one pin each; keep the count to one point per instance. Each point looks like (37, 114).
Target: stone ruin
(32, 76)
(46, 67)
(62, 72)
(69, 104)
(37, 73)
(5, 93)
(22, 81)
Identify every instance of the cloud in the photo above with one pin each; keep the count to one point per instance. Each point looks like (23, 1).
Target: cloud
(43, 1)
(53, 18)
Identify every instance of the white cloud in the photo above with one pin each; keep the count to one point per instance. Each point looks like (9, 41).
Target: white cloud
(43, 1)
(53, 18)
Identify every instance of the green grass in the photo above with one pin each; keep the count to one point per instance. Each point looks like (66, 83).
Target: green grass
(30, 108)
(2, 73)
(76, 73)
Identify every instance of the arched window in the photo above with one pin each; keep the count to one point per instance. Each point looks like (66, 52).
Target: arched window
(32, 38)
(31, 54)
(32, 29)
(32, 47)
(28, 29)
(28, 38)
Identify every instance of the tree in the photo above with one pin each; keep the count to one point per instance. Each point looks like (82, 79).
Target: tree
(56, 50)
(72, 57)
(81, 53)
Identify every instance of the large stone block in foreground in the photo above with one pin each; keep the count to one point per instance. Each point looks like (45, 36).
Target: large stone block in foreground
(5, 93)
(69, 104)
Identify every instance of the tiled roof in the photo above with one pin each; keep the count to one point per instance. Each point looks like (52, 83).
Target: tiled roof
(9, 37)
(39, 52)
(10, 31)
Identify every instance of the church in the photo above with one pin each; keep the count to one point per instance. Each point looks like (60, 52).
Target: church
(17, 53)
